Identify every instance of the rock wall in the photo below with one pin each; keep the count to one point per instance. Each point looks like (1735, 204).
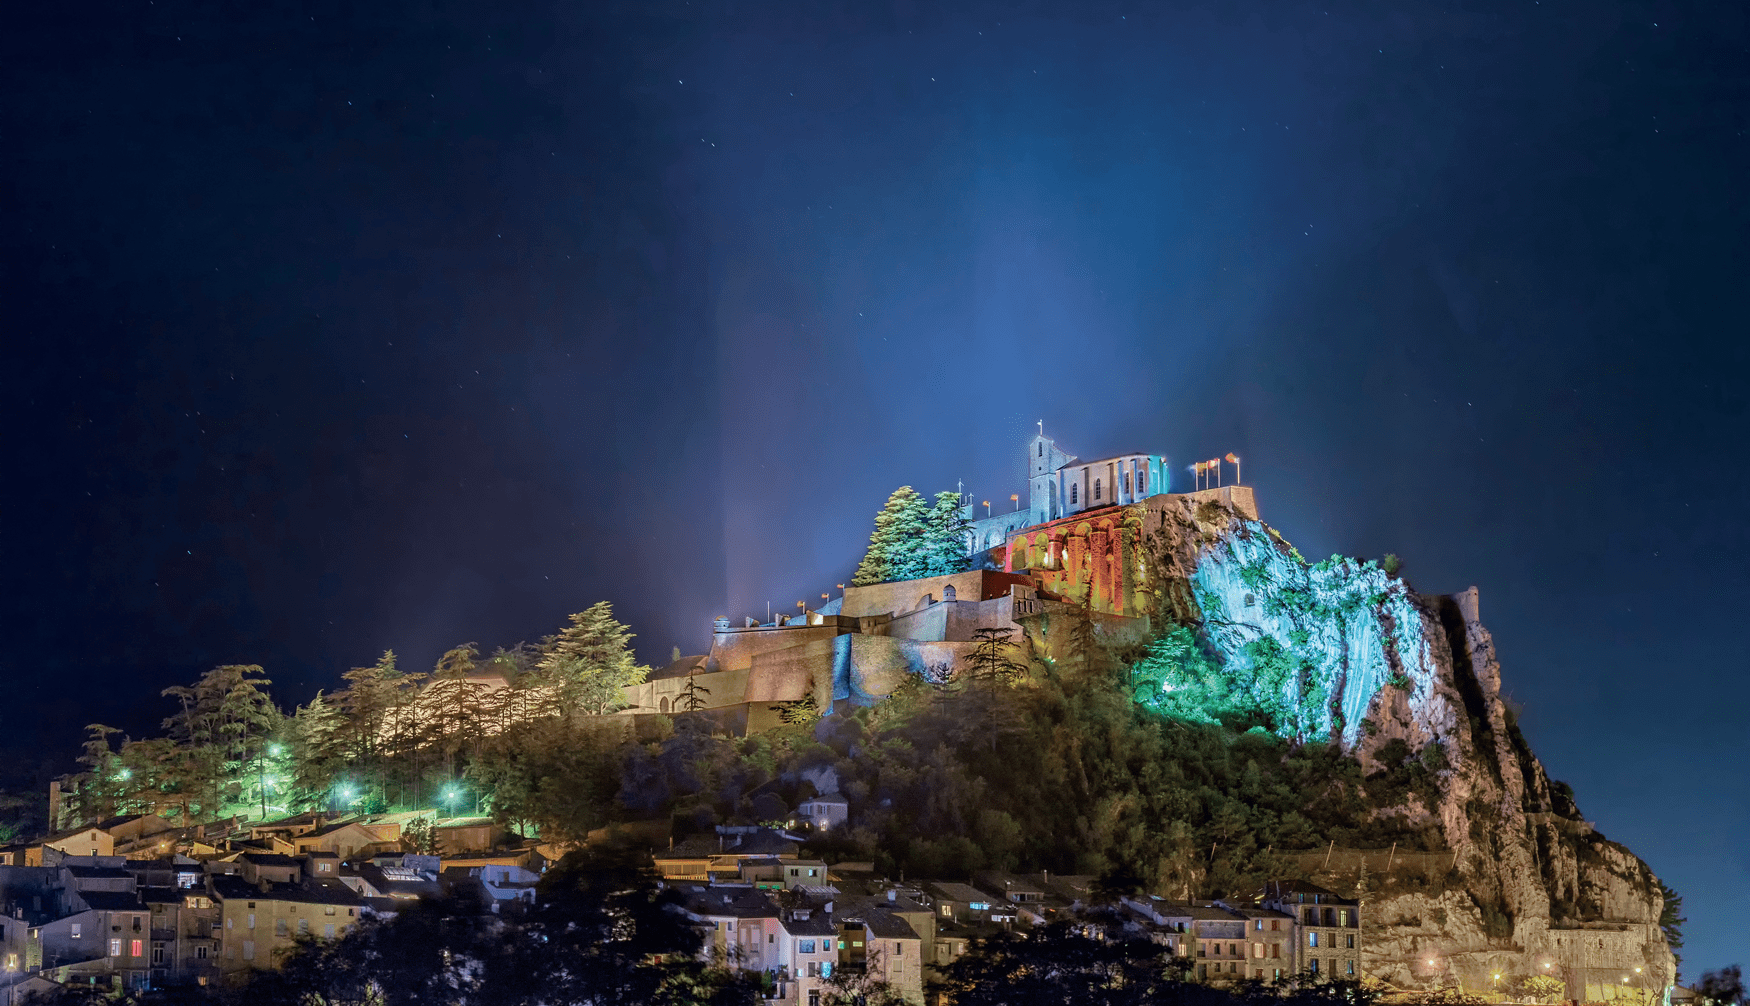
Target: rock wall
(1532, 888)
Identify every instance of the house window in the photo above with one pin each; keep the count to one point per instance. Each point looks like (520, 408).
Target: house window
(251, 919)
(328, 930)
(898, 949)
(662, 706)
(1203, 971)
(826, 969)
(813, 997)
(303, 927)
(1274, 923)
(328, 910)
(1041, 448)
(136, 948)
(1233, 949)
(1096, 488)
(1312, 939)
(1072, 494)
(1342, 916)
(249, 950)
(814, 969)
(200, 953)
(1275, 950)
(1126, 481)
(1202, 949)
(1351, 967)
(1313, 965)
(1351, 941)
(279, 927)
(75, 930)
(1257, 924)
(115, 948)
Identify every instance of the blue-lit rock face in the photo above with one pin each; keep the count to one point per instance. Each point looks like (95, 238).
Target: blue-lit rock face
(1319, 641)
(1341, 651)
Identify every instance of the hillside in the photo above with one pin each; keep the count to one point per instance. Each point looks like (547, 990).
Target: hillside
(1341, 649)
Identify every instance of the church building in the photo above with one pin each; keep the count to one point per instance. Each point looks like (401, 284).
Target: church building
(1060, 484)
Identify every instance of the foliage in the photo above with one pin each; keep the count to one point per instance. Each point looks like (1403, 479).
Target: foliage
(588, 663)
(913, 538)
(944, 548)
(1724, 987)
(901, 524)
(1671, 919)
(537, 751)
(990, 660)
(1544, 988)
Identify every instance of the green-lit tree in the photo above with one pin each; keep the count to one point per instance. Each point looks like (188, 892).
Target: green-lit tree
(316, 737)
(588, 664)
(897, 545)
(946, 550)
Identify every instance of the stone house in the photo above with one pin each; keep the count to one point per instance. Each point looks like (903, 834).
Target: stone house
(1329, 940)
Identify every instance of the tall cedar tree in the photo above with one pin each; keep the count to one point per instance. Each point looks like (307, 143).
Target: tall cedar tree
(949, 530)
(914, 539)
(590, 661)
(901, 526)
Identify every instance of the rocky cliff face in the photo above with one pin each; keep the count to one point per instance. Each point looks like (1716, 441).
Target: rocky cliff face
(1341, 650)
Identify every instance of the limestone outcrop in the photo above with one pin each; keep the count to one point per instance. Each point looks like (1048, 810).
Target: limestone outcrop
(1524, 885)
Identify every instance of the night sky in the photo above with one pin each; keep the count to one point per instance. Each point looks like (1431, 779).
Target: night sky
(330, 330)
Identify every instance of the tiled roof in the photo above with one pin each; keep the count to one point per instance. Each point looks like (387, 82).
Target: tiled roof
(113, 901)
(311, 892)
(889, 927)
(817, 924)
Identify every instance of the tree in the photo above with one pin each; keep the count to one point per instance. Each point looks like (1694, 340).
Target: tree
(692, 697)
(989, 661)
(455, 702)
(895, 546)
(1671, 920)
(589, 663)
(1544, 988)
(945, 545)
(1724, 987)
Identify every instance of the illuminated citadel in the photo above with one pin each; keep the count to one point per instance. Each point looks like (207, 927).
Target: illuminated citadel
(1080, 541)
(1340, 650)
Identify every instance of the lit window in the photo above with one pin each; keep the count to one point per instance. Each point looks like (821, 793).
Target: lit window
(75, 930)
(115, 948)
(1312, 939)
(136, 948)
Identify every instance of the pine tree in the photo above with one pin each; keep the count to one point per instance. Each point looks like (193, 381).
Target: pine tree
(897, 545)
(455, 703)
(692, 698)
(590, 661)
(949, 528)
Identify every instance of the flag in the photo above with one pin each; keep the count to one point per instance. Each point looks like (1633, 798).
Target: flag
(1231, 459)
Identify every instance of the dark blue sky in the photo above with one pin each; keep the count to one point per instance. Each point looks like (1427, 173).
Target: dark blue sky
(333, 330)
